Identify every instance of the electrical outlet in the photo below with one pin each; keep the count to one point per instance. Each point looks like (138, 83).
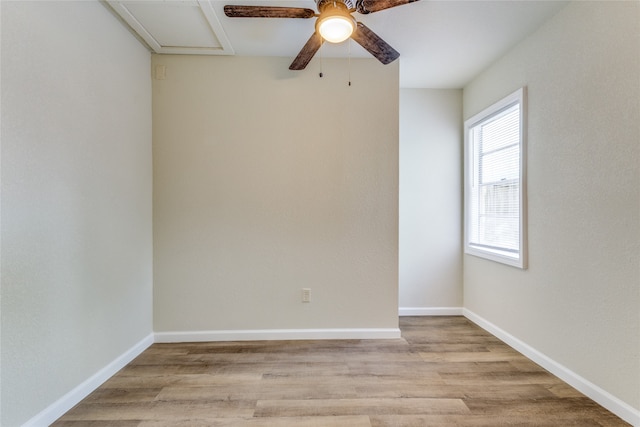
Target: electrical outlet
(306, 294)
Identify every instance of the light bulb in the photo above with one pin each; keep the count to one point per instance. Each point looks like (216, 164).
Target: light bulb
(336, 29)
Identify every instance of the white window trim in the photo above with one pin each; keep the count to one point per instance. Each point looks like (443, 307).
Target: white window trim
(520, 96)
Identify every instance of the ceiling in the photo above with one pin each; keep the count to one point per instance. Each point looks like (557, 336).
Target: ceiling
(442, 44)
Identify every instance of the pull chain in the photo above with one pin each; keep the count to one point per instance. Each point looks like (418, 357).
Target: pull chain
(321, 44)
(349, 44)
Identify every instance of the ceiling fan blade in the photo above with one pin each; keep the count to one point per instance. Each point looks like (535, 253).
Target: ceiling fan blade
(234, 11)
(308, 50)
(370, 6)
(374, 44)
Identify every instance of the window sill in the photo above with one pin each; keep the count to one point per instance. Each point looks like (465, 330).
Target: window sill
(514, 260)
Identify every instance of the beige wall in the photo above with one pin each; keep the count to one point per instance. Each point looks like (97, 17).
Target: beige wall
(76, 199)
(430, 261)
(267, 181)
(579, 301)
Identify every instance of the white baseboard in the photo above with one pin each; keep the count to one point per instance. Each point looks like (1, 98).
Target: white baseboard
(603, 397)
(277, 334)
(430, 311)
(69, 400)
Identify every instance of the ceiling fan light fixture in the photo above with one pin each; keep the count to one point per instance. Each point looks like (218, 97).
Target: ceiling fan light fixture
(336, 28)
(334, 24)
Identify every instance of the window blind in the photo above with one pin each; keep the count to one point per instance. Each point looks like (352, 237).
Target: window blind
(495, 199)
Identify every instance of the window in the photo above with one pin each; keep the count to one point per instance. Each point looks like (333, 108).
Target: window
(495, 190)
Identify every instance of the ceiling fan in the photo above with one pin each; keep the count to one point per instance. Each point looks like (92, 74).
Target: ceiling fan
(334, 24)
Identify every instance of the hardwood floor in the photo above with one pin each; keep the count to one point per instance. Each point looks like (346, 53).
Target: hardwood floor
(444, 372)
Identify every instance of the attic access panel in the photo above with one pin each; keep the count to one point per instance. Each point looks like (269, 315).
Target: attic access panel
(175, 27)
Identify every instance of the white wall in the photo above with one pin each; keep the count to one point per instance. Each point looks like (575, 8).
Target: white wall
(76, 199)
(267, 181)
(430, 263)
(579, 301)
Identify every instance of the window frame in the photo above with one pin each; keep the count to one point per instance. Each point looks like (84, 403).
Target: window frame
(517, 97)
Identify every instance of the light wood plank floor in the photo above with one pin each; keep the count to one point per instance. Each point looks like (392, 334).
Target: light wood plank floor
(445, 371)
